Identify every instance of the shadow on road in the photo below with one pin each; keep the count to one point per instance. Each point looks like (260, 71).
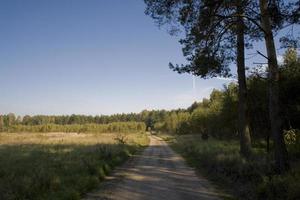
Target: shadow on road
(157, 173)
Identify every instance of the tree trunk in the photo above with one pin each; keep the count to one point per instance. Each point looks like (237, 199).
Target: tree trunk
(245, 139)
(281, 154)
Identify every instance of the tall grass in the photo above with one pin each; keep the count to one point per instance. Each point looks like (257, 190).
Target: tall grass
(246, 179)
(59, 165)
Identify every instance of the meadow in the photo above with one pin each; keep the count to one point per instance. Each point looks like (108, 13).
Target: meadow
(221, 162)
(61, 165)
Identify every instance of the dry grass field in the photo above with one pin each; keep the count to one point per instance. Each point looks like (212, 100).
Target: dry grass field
(60, 165)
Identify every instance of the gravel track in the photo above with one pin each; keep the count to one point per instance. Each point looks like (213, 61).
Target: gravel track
(157, 173)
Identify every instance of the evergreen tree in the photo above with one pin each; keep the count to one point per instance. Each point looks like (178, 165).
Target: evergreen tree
(274, 15)
(213, 29)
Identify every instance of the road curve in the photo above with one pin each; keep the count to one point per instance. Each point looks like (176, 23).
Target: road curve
(157, 173)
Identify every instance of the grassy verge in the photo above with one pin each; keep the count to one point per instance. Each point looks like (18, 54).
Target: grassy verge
(221, 163)
(60, 165)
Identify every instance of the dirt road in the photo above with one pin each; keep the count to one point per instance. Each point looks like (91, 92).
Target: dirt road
(158, 173)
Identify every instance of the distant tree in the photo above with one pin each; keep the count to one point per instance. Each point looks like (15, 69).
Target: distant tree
(183, 125)
(200, 121)
(258, 106)
(1, 123)
(26, 120)
(289, 86)
(11, 119)
(183, 128)
(171, 122)
(229, 111)
(19, 120)
(290, 57)
(193, 107)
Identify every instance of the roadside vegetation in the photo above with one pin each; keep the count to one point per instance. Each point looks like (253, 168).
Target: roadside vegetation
(61, 165)
(221, 162)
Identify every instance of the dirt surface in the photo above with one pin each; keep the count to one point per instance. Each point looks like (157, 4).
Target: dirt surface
(157, 173)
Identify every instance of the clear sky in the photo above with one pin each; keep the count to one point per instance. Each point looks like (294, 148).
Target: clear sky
(89, 57)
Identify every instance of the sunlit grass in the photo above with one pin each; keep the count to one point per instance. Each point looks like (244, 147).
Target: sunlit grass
(59, 165)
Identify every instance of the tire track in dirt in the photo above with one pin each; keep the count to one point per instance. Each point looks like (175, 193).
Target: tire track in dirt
(157, 173)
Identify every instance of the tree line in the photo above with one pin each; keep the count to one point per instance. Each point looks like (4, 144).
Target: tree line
(72, 123)
(216, 116)
(11, 118)
(114, 127)
(77, 123)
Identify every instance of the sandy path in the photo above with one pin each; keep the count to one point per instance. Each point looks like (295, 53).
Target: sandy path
(157, 173)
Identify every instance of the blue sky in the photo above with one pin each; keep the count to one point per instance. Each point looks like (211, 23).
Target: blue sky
(89, 57)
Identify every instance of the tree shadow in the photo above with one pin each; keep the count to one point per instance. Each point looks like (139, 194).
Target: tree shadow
(157, 173)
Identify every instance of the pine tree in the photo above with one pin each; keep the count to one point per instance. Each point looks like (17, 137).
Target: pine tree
(213, 29)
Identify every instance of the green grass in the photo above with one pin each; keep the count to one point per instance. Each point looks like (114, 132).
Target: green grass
(221, 162)
(59, 165)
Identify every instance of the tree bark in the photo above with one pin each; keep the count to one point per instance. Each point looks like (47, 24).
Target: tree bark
(245, 139)
(281, 154)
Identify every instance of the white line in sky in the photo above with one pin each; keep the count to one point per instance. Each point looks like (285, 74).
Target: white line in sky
(194, 88)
